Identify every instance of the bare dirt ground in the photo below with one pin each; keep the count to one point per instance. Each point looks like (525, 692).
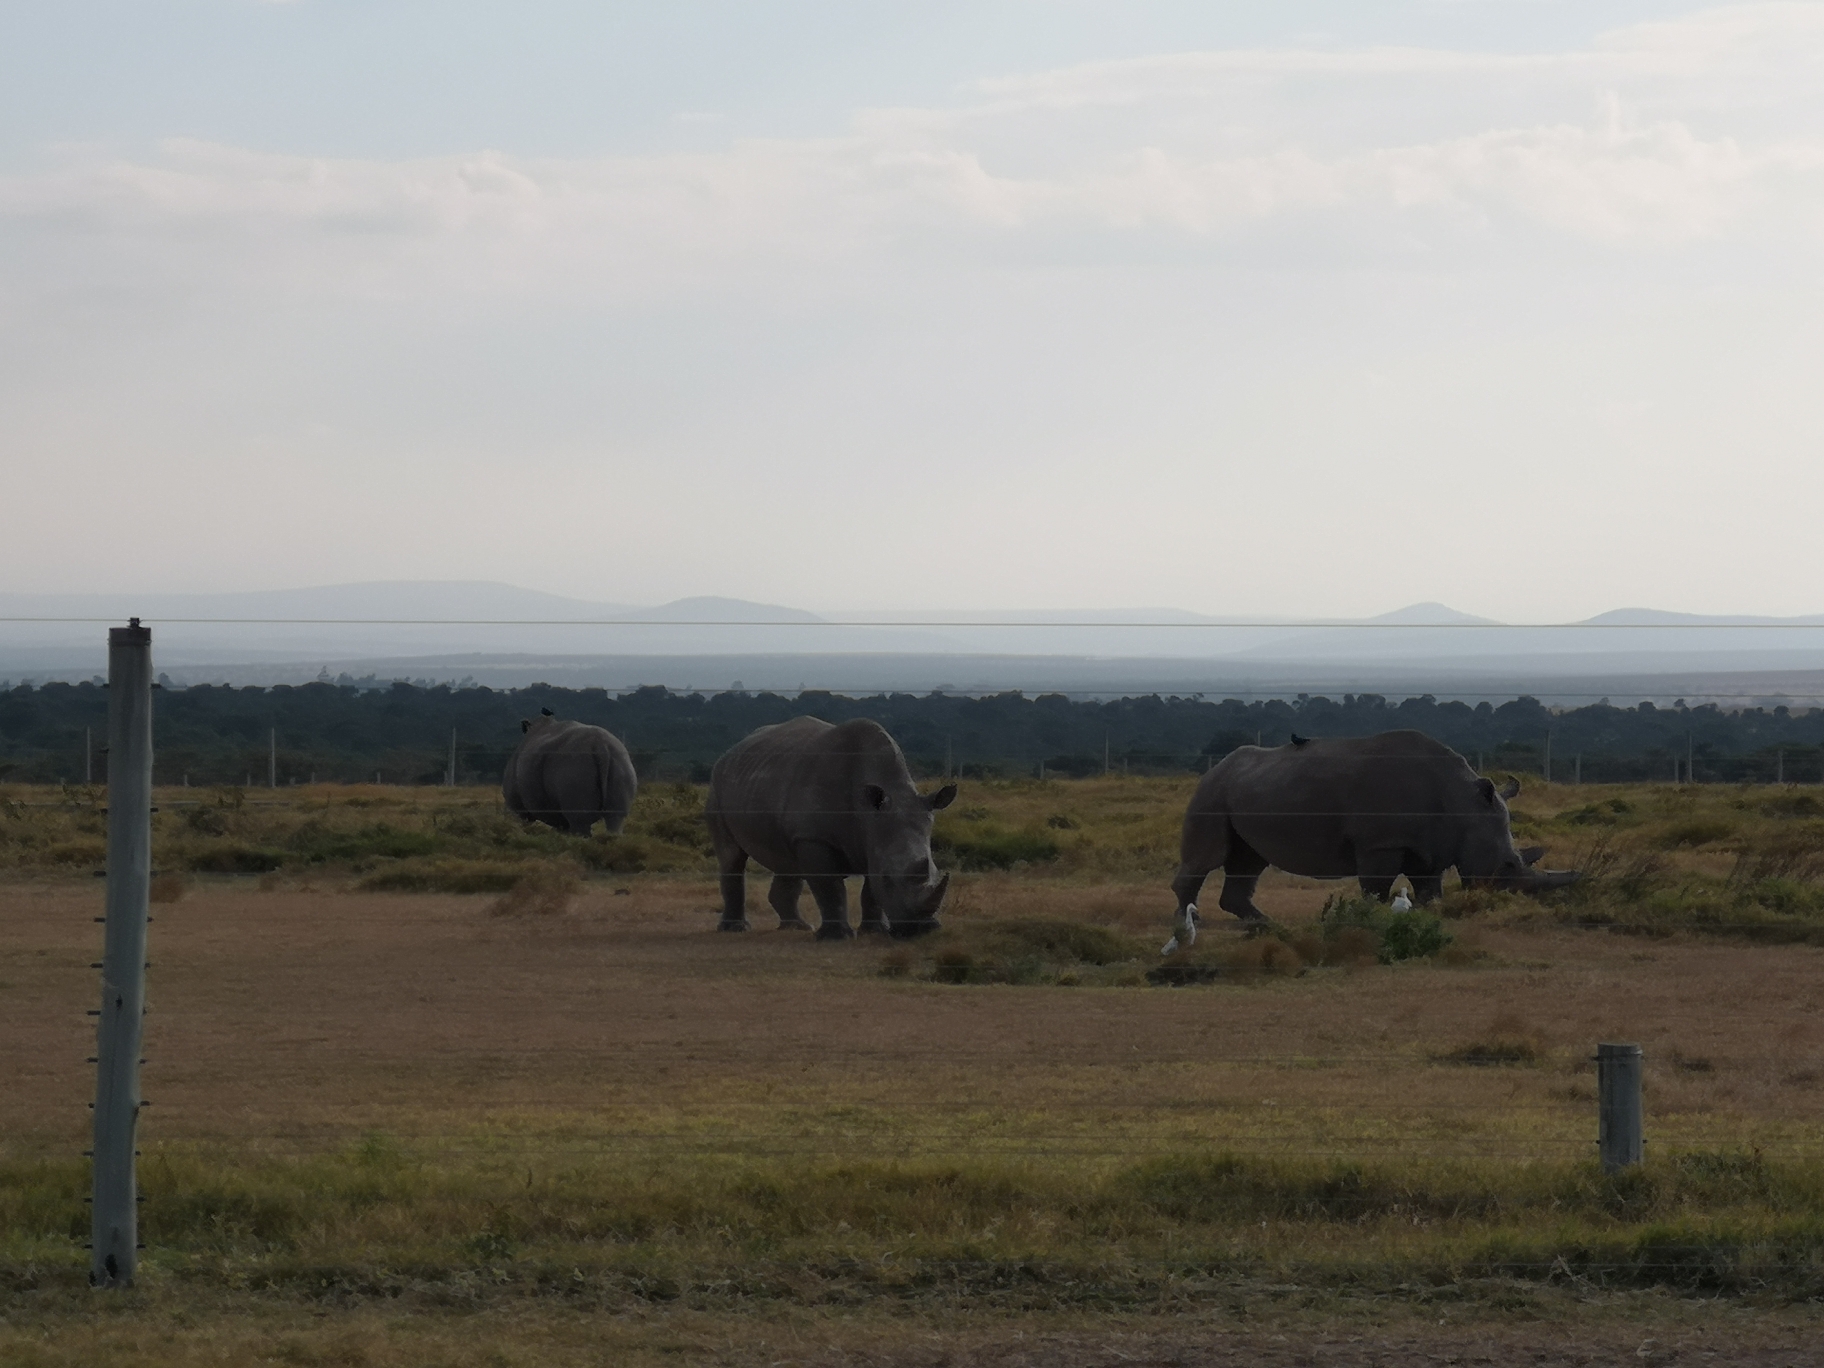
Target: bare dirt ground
(297, 1018)
(302, 1016)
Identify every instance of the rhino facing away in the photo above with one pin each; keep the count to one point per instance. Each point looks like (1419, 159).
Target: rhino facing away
(1372, 808)
(570, 776)
(818, 803)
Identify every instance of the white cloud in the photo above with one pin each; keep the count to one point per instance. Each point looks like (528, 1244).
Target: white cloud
(1200, 145)
(1382, 287)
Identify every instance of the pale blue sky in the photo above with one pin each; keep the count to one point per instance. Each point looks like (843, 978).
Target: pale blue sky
(377, 78)
(1294, 308)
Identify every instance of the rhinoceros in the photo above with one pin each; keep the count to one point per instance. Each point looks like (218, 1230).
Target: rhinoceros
(1369, 807)
(817, 803)
(570, 776)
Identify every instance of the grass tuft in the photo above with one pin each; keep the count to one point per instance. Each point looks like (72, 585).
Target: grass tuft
(544, 892)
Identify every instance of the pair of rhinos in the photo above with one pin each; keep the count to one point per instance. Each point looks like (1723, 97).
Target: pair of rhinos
(818, 804)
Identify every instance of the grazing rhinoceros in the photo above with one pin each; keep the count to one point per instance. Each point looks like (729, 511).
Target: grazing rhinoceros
(817, 803)
(569, 775)
(1369, 807)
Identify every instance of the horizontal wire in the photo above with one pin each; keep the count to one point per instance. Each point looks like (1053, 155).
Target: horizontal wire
(1221, 625)
(788, 1144)
(805, 1121)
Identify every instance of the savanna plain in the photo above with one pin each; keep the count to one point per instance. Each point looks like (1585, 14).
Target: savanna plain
(427, 1086)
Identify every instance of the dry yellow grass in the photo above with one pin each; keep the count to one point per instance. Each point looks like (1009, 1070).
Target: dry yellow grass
(406, 1064)
(295, 1017)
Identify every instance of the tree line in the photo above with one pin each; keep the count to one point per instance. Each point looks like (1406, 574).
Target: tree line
(221, 734)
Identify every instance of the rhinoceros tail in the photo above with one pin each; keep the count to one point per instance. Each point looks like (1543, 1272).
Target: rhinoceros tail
(604, 779)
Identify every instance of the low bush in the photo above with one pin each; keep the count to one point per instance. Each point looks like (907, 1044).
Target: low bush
(234, 859)
(1020, 951)
(1348, 923)
(444, 876)
(1507, 1040)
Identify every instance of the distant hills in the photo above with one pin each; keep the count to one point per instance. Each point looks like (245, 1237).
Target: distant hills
(500, 634)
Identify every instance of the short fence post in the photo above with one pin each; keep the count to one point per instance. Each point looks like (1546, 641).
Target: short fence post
(114, 1217)
(1619, 1123)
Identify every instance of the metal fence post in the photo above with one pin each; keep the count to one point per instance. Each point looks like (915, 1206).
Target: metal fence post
(115, 1216)
(1619, 1123)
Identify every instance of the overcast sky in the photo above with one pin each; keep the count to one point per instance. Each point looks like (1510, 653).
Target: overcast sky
(1316, 308)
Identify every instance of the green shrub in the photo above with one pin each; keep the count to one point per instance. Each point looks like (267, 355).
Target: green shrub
(1417, 934)
(1412, 935)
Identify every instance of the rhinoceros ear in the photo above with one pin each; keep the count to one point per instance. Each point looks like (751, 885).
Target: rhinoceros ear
(1486, 787)
(1531, 855)
(875, 795)
(942, 799)
(546, 712)
(525, 724)
(1510, 790)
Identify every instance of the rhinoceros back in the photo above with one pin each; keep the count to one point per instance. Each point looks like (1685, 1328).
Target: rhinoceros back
(802, 781)
(570, 775)
(1310, 808)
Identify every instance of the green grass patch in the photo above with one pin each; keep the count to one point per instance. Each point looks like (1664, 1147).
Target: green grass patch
(1076, 1231)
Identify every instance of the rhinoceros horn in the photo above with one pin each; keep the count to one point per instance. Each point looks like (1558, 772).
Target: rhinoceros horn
(936, 899)
(1545, 880)
(1531, 855)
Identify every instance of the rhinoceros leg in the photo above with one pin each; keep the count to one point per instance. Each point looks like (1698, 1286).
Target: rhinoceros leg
(783, 895)
(832, 894)
(1241, 872)
(1377, 870)
(1187, 886)
(734, 890)
(1426, 887)
(872, 918)
(822, 869)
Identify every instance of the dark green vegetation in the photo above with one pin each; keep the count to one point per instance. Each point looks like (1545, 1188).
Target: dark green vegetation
(219, 735)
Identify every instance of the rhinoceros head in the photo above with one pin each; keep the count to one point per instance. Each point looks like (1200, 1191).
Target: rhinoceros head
(1489, 857)
(902, 877)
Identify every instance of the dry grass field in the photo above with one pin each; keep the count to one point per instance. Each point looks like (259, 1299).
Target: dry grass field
(560, 1119)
